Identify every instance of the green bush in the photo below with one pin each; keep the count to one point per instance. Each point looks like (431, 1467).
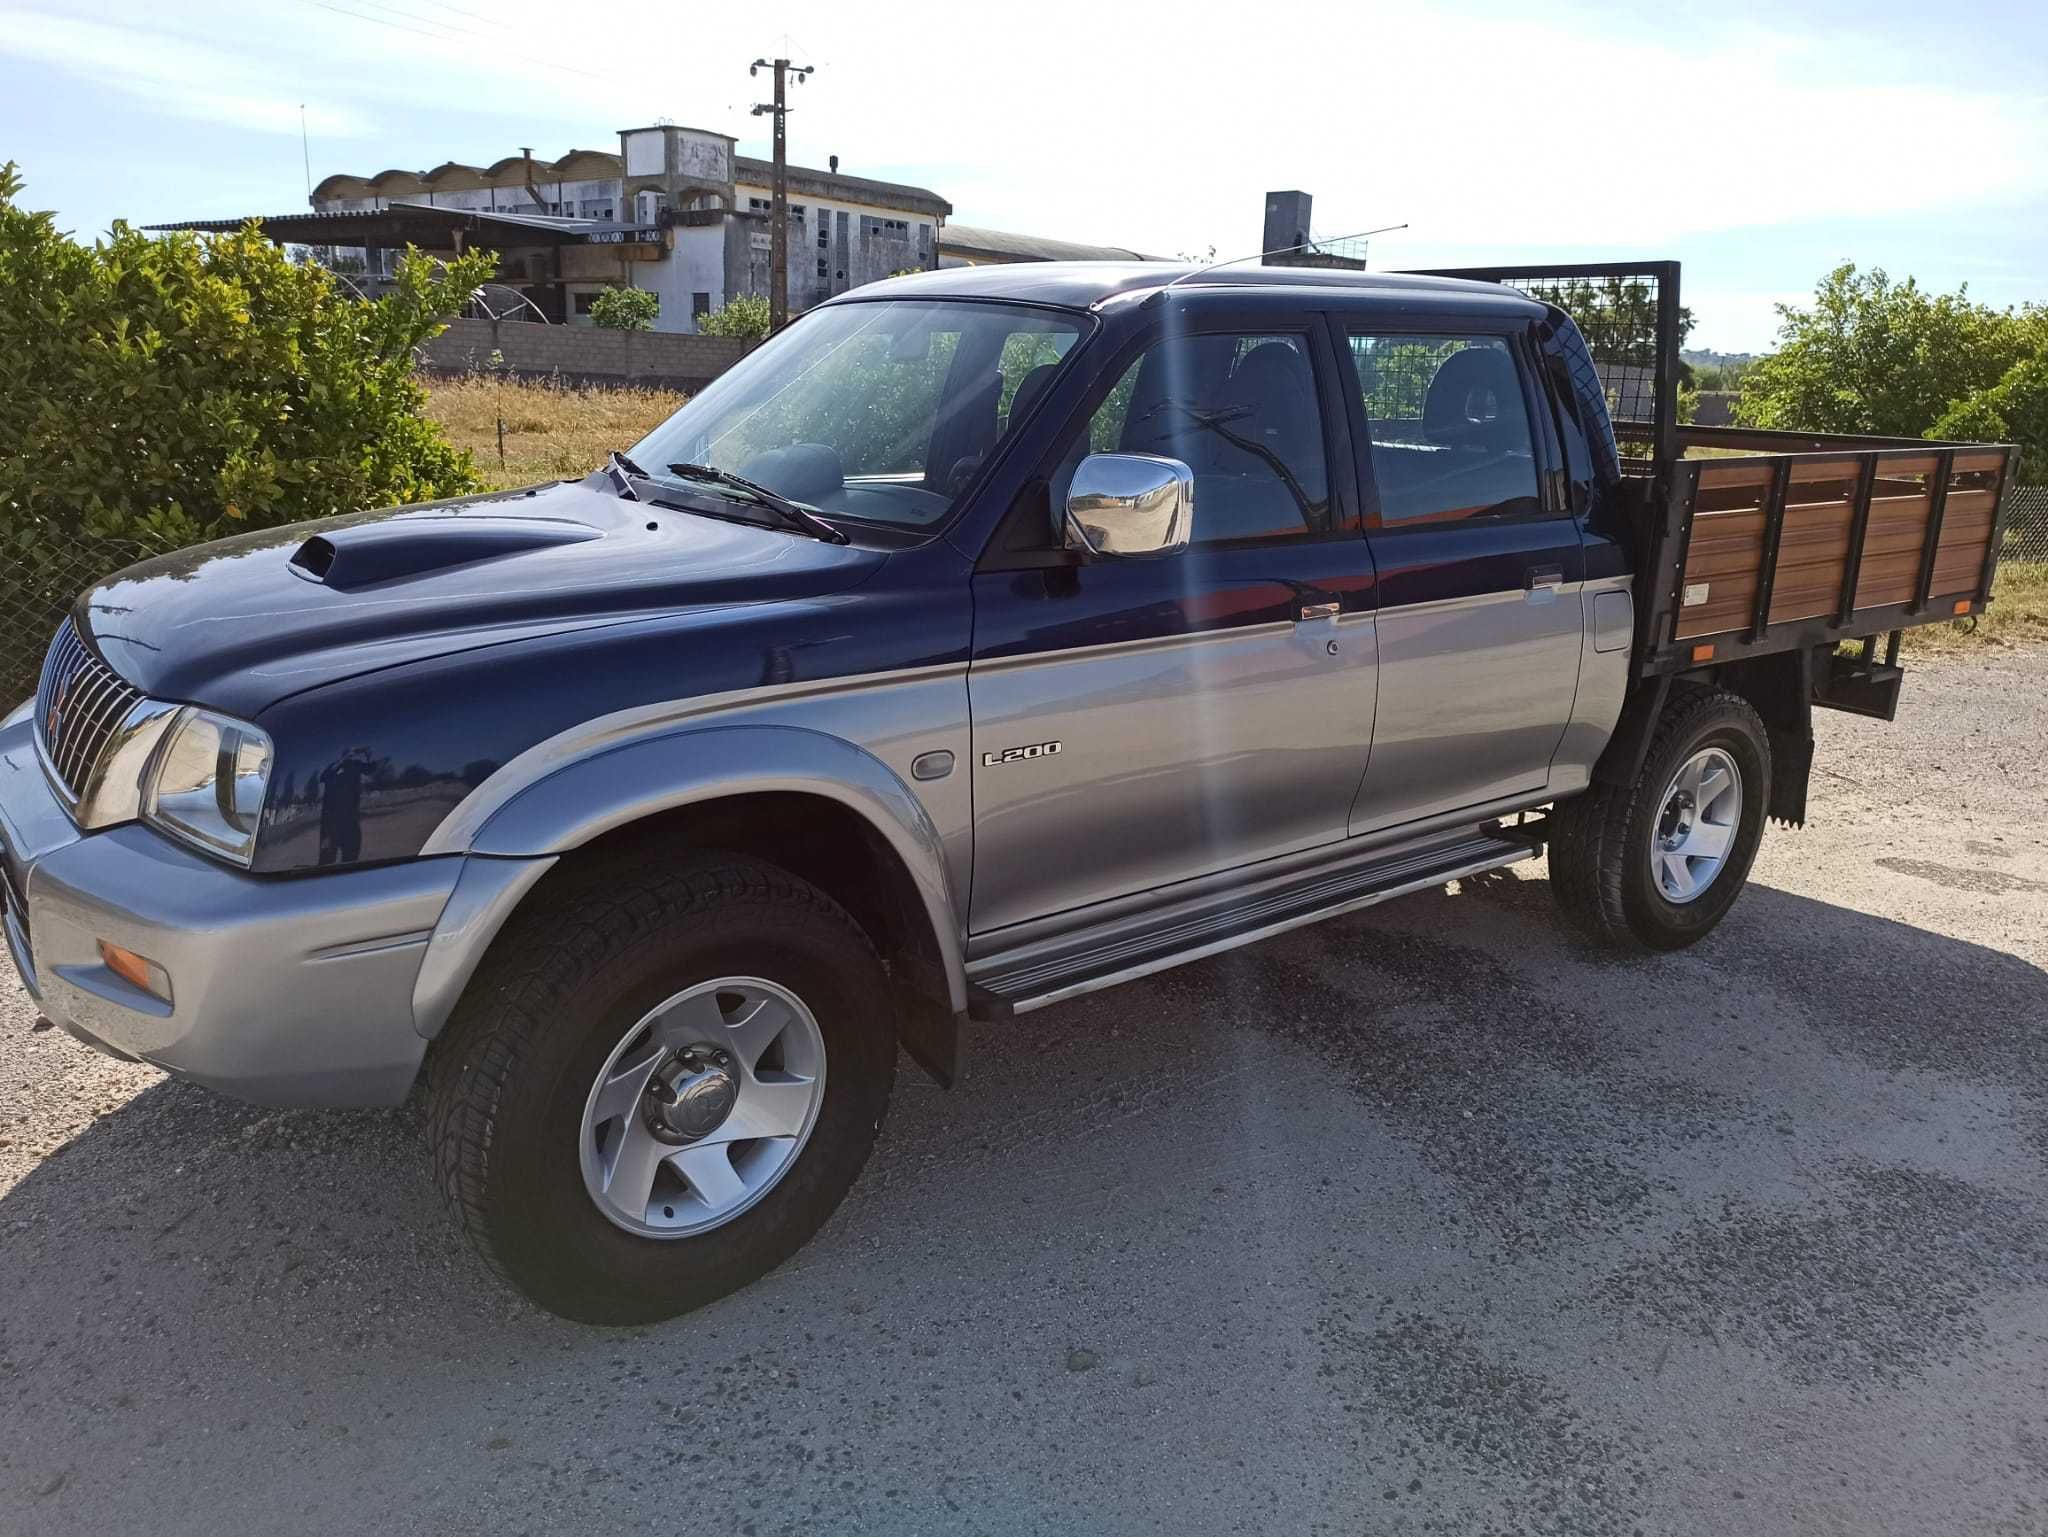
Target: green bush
(745, 316)
(625, 309)
(2014, 410)
(155, 392)
(1875, 356)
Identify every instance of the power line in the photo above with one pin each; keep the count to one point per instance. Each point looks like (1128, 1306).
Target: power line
(425, 21)
(359, 16)
(449, 32)
(489, 21)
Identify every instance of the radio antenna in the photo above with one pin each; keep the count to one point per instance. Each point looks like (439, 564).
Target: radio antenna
(1306, 245)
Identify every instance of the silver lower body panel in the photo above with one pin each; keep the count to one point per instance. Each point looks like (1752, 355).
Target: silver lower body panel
(1050, 971)
(282, 991)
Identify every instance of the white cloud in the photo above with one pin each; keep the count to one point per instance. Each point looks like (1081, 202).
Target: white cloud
(163, 71)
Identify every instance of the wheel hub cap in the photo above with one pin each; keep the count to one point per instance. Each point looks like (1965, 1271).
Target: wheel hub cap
(1697, 825)
(689, 1096)
(702, 1107)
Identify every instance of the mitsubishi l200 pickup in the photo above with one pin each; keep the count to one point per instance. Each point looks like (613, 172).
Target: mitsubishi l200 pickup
(984, 638)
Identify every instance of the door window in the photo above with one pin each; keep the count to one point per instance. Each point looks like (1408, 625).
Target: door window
(1449, 428)
(1241, 411)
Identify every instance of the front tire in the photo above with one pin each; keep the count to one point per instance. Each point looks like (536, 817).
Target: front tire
(1657, 863)
(662, 1083)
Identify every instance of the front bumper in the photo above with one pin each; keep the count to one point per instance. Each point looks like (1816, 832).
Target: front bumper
(284, 991)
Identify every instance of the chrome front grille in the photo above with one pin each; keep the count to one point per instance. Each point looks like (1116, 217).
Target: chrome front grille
(80, 704)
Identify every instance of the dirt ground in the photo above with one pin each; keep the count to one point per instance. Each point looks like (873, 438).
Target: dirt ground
(1429, 1220)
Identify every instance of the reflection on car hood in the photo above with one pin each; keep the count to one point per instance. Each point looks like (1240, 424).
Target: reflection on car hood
(247, 621)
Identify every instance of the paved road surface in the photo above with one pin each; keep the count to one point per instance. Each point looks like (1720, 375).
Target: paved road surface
(1429, 1220)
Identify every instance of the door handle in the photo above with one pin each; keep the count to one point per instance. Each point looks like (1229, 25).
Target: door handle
(1539, 577)
(1321, 610)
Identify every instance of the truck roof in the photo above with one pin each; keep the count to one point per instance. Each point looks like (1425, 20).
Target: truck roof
(1079, 285)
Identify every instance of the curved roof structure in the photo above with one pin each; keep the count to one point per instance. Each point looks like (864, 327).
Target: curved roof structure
(587, 165)
(343, 186)
(454, 176)
(603, 165)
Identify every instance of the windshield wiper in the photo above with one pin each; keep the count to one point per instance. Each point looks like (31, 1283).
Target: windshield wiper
(623, 471)
(790, 511)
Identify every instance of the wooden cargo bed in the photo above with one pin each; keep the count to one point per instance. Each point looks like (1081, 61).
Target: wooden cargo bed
(1803, 539)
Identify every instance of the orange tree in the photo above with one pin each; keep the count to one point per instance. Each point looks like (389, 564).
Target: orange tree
(155, 392)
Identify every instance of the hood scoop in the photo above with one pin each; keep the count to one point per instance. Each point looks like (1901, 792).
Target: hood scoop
(389, 551)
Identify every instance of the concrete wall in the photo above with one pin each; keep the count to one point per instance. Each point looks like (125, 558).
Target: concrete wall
(583, 356)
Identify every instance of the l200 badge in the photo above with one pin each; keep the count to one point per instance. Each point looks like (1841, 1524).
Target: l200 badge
(1019, 754)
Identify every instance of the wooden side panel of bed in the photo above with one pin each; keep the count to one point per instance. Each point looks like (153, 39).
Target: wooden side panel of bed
(1725, 555)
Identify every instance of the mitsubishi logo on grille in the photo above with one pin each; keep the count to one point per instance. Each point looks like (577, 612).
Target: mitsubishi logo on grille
(53, 718)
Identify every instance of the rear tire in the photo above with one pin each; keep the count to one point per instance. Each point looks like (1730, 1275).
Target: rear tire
(603, 980)
(1645, 866)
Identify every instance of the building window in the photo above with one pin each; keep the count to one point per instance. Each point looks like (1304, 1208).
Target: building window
(796, 210)
(700, 305)
(824, 237)
(581, 303)
(759, 204)
(823, 266)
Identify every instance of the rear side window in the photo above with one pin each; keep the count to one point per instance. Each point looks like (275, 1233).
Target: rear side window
(1449, 427)
(1242, 411)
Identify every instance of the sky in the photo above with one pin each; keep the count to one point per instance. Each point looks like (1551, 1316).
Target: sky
(1758, 145)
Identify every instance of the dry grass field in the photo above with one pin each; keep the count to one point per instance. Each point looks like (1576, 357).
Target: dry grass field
(552, 431)
(2018, 615)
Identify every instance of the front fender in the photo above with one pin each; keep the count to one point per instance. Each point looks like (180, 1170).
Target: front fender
(592, 796)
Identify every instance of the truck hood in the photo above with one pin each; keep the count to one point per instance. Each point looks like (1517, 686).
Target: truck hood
(244, 622)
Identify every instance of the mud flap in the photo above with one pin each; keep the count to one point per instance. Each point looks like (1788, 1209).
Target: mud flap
(930, 1032)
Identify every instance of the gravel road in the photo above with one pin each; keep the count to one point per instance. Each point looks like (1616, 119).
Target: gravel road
(1432, 1219)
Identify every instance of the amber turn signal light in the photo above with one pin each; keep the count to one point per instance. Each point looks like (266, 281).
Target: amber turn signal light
(136, 970)
(1962, 605)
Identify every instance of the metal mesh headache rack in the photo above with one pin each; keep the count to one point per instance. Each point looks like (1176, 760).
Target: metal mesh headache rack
(1629, 315)
(1757, 542)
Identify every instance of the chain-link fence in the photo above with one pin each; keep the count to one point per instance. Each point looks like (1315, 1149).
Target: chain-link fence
(2026, 524)
(39, 581)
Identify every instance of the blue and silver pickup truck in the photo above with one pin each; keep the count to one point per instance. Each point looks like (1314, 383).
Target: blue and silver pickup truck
(984, 638)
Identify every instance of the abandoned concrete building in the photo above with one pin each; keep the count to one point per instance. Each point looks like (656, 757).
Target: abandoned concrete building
(675, 211)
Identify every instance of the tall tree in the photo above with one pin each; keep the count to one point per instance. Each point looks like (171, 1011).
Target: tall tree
(1873, 356)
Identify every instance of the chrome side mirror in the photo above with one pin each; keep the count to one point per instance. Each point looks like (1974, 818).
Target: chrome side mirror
(1130, 505)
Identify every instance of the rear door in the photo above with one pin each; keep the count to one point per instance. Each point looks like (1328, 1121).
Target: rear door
(1142, 722)
(1479, 564)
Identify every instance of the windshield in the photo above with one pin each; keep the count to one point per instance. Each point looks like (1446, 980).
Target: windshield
(881, 411)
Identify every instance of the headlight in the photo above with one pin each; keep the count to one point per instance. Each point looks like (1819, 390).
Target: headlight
(208, 784)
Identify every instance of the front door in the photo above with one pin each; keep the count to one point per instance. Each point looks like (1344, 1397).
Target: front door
(1479, 607)
(1142, 722)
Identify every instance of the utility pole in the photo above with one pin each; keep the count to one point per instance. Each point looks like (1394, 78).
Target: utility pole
(778, 211)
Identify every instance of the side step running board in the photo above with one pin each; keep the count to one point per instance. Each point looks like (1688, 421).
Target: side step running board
(1049, 973)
